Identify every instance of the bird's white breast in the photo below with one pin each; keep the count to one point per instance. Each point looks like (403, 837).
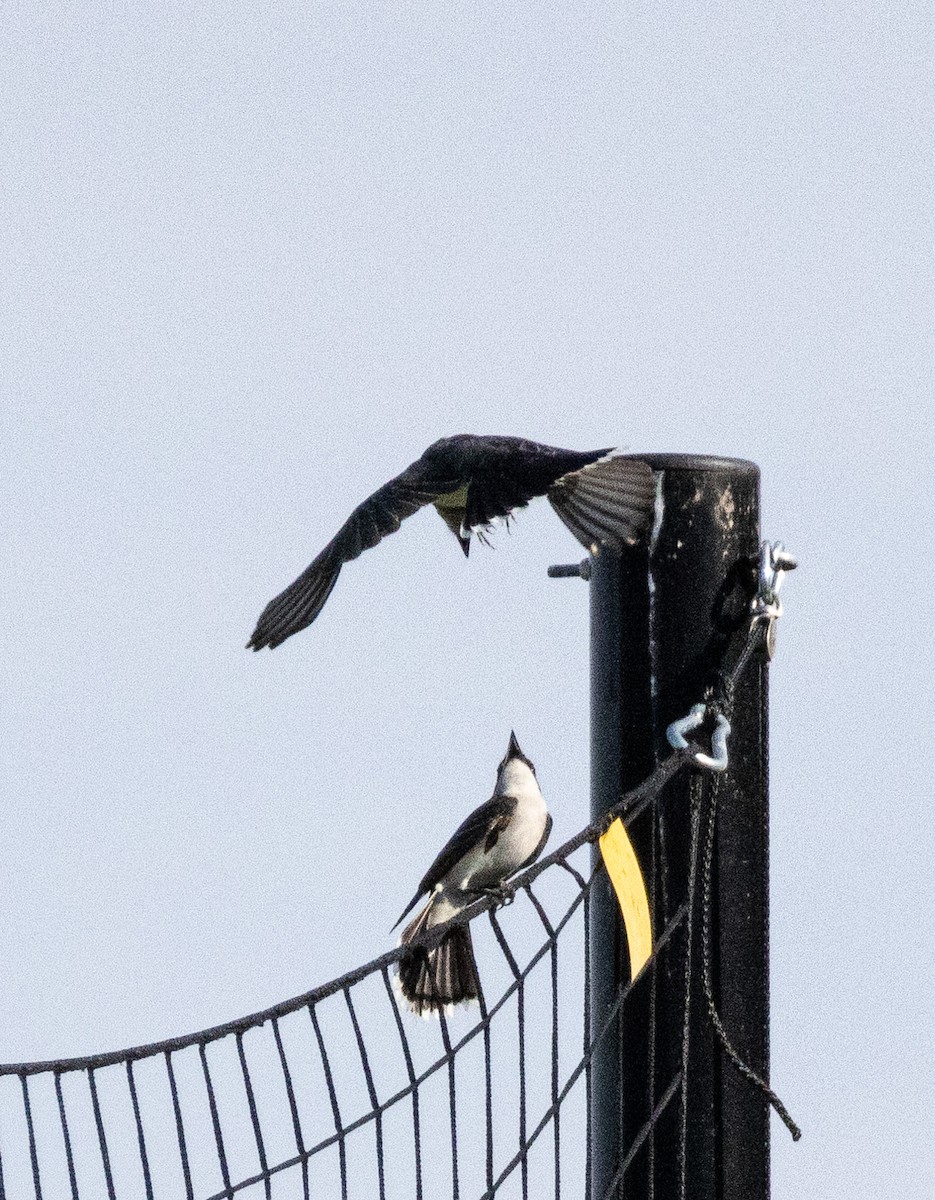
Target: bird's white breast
(522, 835)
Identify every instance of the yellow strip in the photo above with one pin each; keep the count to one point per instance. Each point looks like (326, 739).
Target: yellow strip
(625, 874)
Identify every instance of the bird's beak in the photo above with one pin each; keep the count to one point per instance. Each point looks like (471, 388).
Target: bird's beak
(513, 750)
(465, 544)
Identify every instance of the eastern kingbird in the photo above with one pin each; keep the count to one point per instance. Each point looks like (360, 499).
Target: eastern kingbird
(473, 481)
(498, 839)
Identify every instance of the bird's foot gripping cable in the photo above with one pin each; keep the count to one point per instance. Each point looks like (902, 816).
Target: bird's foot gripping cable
(504, 893)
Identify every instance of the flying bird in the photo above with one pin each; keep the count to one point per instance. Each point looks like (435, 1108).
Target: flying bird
(474, 481)
(498, 839)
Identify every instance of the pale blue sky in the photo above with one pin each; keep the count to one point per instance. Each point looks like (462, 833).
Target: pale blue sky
(254, 262)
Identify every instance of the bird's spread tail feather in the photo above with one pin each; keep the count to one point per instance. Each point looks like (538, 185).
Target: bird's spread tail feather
(608, 503)
(435, 980)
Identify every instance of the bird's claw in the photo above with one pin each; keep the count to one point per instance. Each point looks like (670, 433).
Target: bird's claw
(503, 893)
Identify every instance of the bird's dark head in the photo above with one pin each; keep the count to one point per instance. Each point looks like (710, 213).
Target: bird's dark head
(516, 776)
(514, 752)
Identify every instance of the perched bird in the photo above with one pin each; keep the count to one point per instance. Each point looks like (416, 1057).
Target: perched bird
(498, 839)
(473, 481)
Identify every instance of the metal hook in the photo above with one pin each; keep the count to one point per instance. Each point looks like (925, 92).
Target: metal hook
(766, 606)
(775, 561)
(676, 736)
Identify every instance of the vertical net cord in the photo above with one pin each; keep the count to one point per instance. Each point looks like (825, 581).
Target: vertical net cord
(179, 1127)
(585, 886)
(655, 813)
(371, 1091)
(452, 1101)
(726, 1045)
(642, 1134)
(588, 1082)
(215, 1121)
(553, 964)
(521, 1039)
(558, 1112)
(663, 864)
(66, 1137)
(333, 1097)
(488, 1094)
(254, 1117)
(141, 1141)
(102, 1140)
(695, 805)
(293, 1107)
(33, 1154)
(411, 1073)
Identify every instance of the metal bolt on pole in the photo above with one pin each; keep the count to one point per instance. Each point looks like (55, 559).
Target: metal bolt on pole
(662, 616)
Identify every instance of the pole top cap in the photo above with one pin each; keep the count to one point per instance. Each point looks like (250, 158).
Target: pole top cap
(697, 462)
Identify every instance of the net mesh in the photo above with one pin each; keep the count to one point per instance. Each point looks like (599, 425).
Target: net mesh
(339, 1092)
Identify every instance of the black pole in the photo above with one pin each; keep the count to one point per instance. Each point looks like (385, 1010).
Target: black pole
(662, 619)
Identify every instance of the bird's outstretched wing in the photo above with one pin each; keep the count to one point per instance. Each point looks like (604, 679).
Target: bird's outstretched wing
(483, 825)
(370, 522)
(608, 503)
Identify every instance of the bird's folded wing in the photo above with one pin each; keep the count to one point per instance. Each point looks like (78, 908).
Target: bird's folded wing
(370, 522)
(483, 823)
(607, 503)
